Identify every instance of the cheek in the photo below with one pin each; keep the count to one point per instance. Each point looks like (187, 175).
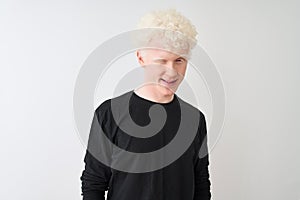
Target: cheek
(154, 71)
(181, 70)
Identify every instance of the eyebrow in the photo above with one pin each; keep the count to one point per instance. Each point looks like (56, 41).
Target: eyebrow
(162, 59)
(159, 59)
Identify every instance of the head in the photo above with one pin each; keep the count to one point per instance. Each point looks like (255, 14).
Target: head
(167, 40)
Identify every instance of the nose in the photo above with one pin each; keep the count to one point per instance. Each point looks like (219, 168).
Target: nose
(170, 65)
(170, 70)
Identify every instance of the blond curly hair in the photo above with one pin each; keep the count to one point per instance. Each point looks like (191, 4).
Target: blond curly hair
(168, 28)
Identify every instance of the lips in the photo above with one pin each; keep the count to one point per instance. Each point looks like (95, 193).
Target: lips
(169, 81)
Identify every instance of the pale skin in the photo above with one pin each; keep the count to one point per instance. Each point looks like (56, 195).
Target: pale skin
(164, 72)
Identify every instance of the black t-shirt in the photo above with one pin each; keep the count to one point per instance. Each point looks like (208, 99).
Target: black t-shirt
(185, 178)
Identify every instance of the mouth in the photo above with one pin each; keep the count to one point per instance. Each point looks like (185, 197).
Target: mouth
(169, 82)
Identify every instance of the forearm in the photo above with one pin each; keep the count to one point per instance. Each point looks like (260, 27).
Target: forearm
(93, 195)
(202, 181)
(94, 179)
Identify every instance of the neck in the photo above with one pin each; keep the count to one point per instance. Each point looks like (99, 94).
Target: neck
(153, 94)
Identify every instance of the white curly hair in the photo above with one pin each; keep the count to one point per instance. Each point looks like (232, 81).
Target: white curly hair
(169, 30)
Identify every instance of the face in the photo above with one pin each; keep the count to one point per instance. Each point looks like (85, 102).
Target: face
(164, 70)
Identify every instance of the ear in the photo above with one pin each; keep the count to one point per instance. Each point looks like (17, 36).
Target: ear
(140, 58)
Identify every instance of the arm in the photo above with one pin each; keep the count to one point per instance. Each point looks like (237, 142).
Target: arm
(202, 182)
(96, 175)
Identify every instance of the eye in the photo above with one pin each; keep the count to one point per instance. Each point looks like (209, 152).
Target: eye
(160, 61)
(179, 60)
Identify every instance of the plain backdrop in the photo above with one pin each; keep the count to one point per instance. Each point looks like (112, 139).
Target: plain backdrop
(254, 44)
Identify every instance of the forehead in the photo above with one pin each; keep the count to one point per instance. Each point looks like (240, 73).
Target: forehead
(160, 53)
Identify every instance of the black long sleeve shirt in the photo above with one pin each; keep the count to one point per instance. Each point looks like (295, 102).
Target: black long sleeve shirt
(187, 178)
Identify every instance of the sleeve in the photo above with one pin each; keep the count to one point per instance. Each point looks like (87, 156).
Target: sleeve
(202, 182)
(96, 175)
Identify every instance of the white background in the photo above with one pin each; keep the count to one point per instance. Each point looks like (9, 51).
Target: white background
(254, 45)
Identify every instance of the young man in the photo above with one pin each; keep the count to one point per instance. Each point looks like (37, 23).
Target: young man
(184, 176)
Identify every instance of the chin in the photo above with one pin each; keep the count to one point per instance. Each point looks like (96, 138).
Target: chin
(166, 91)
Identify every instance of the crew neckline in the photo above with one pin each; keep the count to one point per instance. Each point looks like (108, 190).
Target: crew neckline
(154, 102)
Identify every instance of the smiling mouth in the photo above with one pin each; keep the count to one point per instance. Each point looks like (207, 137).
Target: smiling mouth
(169, 82)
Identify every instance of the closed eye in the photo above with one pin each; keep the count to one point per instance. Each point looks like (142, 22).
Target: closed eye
(160, 61)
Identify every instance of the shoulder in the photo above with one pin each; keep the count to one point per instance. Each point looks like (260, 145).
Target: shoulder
(191, 109)
(118, 102)
(103, 108)
(198, 117)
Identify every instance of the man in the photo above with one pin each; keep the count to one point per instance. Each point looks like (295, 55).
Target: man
(129, 124)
